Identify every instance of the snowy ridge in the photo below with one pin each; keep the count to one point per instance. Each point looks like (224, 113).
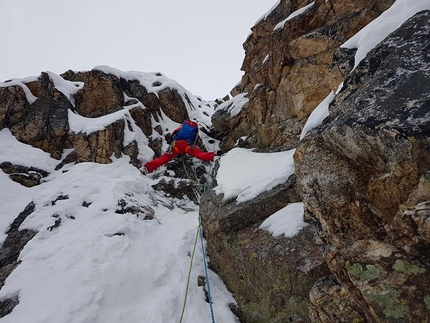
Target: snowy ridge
(264, 17)
(293, 15)
(157, 82)
(235, 105)
(371, 35)
(68, 88)
(30, 97)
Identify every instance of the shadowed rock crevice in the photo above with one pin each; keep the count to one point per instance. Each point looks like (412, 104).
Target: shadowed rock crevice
(15, 241)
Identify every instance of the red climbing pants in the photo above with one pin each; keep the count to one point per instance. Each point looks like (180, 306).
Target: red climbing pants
(180, 147)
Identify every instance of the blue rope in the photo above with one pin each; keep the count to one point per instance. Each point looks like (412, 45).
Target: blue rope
(199, 229)
(189, 276)
(206, 272)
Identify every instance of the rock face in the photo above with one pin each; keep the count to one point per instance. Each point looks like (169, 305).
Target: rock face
(270, 277)
(37, 113)
(289, 68)
(42, 123)
(363, 175)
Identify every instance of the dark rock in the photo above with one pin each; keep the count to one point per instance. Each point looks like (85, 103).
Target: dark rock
(26, 176)
(128, 205)
(362, 175)
(177, 189)
(55, 225)
(7, 306)
(101, 94)
(228, 216)
(43, 123)
(15, 241)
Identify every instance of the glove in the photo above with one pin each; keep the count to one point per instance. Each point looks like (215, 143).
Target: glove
(216, 159)
(219, 153)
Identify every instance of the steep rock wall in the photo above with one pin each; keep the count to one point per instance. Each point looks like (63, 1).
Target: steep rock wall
(363, 176)
(288, 68)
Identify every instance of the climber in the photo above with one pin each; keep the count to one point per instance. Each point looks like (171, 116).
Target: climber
(182, 141)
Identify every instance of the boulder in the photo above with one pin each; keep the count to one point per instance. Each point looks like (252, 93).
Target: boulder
(100, 95)
(26, 176)
(363, 175)
(271, 277)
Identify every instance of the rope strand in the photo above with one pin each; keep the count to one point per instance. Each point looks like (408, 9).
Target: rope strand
(199, 232)
(206, 273)
(189, 274)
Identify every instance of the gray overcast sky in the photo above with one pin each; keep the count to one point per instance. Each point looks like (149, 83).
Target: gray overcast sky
(197, 43)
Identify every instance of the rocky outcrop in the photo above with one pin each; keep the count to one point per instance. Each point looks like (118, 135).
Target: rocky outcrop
(289, 67)
(26, 176)
(101, 94)
(42, 123)
(37, 113)
(270, 277)
(363, 175)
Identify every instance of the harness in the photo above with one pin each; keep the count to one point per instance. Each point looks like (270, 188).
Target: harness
(176, 149)
(187, 133)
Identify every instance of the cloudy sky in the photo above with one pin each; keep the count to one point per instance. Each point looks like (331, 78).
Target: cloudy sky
(198, 43)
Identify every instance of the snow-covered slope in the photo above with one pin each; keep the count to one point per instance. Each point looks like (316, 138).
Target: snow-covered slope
(99, 265)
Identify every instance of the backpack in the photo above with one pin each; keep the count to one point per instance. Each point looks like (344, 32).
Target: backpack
(188, 132)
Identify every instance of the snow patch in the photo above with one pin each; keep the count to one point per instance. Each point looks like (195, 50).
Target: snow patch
(287, 221)
(235, 105)
(30, 97)
(293, 15)
(391, 19)
(318, 115)
(244, 174)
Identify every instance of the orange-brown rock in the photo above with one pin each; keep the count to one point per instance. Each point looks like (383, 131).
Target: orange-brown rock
(294, 64)
(43, 123)
(101, 94)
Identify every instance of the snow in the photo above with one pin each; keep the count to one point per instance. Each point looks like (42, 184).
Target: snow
(264, 17)
(287, 221)
(80, 124)
(318, 115)
(244, 174)
(293, 15)
(371, 35)
(234, 105)
(30, 97)
(15, 152)
(157, 82)
(68, 88)
(10, 207)
(100, 266)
